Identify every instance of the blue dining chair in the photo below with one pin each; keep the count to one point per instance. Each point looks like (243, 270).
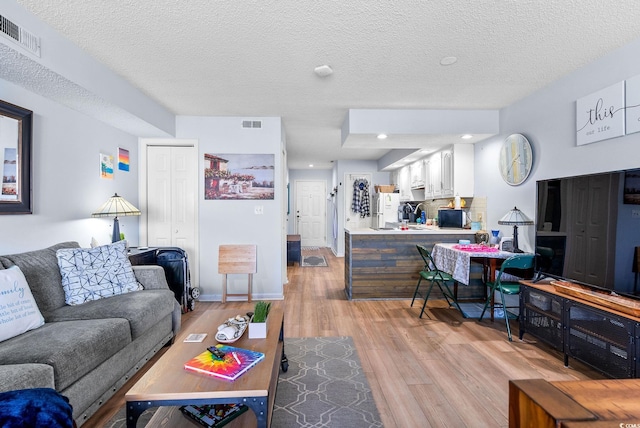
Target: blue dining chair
(520, 262)
(433, 275)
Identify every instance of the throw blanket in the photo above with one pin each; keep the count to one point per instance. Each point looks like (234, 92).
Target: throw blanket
(35, 408)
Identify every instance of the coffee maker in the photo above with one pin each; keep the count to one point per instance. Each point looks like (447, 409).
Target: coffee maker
(406, 211)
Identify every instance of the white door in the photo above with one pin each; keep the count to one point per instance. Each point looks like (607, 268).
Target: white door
(311, 213)
(171, 201)
(354, 220)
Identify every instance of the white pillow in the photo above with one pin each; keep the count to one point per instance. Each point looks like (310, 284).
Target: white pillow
(94, 273)
(18, 310)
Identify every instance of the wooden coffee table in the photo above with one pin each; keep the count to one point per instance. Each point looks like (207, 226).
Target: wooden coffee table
(167, 383)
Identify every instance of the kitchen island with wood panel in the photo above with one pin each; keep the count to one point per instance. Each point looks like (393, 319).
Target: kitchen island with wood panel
(384, 264)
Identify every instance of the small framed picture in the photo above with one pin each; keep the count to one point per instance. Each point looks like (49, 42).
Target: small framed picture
(632, 187)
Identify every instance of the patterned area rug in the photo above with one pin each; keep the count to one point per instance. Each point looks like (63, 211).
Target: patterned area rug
(324, 386)
(317, 261)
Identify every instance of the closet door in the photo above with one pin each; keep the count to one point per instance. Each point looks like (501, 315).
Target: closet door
(171, 200)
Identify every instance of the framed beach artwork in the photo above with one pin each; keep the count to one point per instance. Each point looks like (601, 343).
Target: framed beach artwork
(106, 166)
(239, 176)
(123, 159)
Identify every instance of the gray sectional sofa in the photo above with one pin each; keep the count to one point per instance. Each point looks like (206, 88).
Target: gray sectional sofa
(88, 351)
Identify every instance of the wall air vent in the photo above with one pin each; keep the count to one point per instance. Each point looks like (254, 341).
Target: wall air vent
(29, 42)
(252, 124)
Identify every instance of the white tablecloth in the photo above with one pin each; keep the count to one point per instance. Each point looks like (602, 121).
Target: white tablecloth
(457, 262)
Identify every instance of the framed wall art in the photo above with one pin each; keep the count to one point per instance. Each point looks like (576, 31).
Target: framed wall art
(238, 176)
(15, 159)
(123, 159)
(106, 166)
(632, 187)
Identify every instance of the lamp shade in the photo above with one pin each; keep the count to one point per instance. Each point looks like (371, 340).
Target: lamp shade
(116, 206)
(515, 217)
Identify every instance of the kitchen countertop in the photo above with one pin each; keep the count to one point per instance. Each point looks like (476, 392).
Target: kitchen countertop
(414, 229)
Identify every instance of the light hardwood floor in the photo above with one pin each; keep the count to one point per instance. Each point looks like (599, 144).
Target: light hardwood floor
(438, 371)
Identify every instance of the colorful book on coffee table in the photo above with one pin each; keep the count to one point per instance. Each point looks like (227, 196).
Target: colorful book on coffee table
(236, 361)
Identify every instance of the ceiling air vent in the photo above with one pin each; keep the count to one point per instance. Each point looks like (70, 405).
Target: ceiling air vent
(252, 124)
(9, 30)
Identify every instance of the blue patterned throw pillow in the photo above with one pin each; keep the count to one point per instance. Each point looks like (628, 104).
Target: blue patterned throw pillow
(94, 273)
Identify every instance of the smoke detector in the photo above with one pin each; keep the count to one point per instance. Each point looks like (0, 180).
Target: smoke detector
(323, 70)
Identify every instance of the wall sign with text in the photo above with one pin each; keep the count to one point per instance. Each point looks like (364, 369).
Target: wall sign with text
(601, 115)
(632, 103)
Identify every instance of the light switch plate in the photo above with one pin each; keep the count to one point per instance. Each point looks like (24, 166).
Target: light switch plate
(258, 209)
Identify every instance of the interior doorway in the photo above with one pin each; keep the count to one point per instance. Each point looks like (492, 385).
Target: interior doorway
(311, 212)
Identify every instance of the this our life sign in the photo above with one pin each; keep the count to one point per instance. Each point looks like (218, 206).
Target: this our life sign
(601, 115)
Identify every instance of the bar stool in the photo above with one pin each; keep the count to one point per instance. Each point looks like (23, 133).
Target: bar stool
(237, 259)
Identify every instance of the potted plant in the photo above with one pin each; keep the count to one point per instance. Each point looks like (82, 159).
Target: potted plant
(258, 322)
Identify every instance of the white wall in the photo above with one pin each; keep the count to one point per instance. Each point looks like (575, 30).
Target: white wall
(66, 181)
(234, 222)
(548, 119)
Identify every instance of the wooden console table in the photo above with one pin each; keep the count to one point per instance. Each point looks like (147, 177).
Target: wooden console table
(589, 404)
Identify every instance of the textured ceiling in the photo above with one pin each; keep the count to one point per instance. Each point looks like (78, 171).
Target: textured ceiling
(256, 58)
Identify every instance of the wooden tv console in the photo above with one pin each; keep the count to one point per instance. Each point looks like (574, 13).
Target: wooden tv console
(603, 338)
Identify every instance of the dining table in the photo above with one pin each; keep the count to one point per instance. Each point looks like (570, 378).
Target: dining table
(456, 259)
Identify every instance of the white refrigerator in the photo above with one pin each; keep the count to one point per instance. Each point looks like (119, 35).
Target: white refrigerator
(385, 209)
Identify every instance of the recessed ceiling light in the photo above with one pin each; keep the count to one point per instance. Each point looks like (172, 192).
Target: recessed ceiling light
(448, 60)
(467, 137)
(323, 70)
(382, 136)
(310, 165)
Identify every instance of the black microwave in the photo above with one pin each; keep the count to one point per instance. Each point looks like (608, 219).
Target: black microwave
(452, 218)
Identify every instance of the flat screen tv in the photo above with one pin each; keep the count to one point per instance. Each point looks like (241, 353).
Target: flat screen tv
(588, 229)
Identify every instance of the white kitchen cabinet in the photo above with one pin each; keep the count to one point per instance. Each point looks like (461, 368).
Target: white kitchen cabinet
(417, 174)
(404, 183)
(449, 172)
(457, 171)
(444, 174)
(433, 176)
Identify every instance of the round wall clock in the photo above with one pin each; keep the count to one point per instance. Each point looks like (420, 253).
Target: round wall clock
(516, 159)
